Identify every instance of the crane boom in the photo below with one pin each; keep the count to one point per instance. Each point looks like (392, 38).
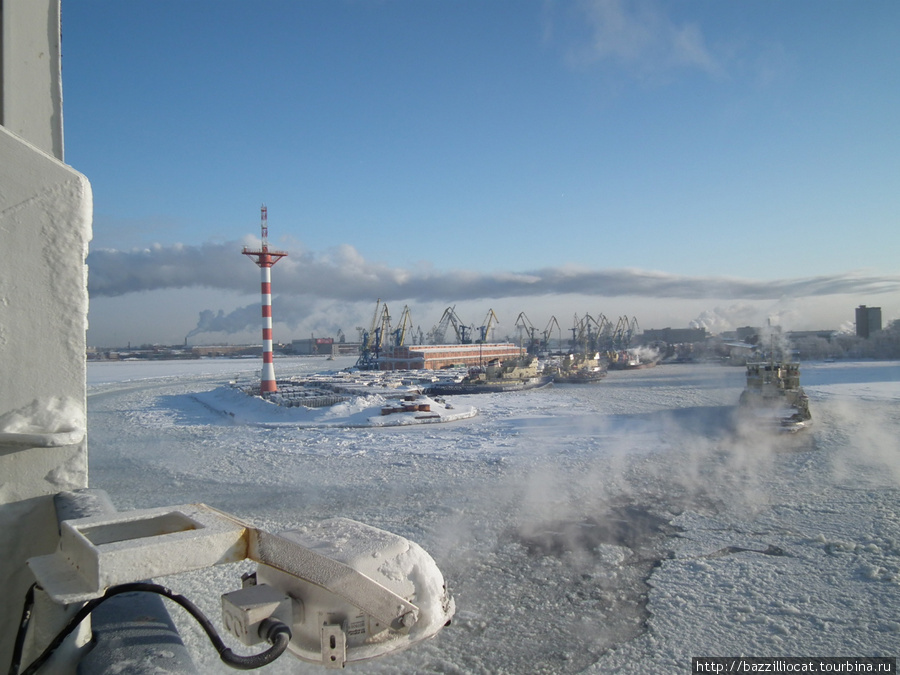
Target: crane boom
(548, 331)
(489, 319)
(439, 332)
(400, 332)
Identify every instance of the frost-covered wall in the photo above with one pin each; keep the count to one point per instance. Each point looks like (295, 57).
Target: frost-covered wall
(30, 81)
(45, 226)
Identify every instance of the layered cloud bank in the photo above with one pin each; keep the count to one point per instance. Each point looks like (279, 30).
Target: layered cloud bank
(322, 292)
(343, 274)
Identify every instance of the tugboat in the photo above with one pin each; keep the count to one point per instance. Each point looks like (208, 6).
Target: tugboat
(510, 375)
(580, 369)
(773, 392)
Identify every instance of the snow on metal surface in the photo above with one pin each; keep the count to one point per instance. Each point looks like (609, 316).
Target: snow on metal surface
(42, 424)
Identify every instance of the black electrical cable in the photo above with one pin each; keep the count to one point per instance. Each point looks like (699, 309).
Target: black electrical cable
(23, 627)
(277, 633)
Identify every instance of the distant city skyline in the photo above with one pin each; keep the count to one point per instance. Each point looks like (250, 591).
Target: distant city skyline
(729, 163)
(559, 332)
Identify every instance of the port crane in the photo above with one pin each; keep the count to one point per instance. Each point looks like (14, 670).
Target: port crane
(399, 333)
(591, 334)
(463, 333)
(548, 331)
(383, 330)
(604, 333)
(485, 329)
(450, 318)
(588, 333)
(625, 330)
(440, 329)
(598, 339)
(633, 329)
(366, 336)
(373, 339)
(579, 329)
(523, 323)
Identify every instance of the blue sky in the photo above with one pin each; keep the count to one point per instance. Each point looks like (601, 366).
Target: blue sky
(738, 161)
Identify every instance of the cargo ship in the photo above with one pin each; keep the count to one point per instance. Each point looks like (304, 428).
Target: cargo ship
(497, 376)
(580, 369)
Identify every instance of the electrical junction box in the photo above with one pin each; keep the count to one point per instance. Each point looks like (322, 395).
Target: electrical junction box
(244, 610)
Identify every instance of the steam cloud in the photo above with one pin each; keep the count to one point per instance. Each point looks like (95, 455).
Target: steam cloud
(342, 275)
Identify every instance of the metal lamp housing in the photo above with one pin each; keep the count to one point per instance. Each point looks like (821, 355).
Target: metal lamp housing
(333, 628)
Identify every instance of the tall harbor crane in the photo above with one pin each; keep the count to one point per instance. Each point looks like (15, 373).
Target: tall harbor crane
(591, 334)
(366, 335)
(373, 339)
(625, 330)
(399, 333)
(485, 329)
(548, 332)
(437, 334)
(523, 323)
(605, 333)
(578, 329)
(450, 318)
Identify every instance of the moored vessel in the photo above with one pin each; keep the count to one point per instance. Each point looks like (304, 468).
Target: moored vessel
(580, 369)
(497, 376)
(630, 359)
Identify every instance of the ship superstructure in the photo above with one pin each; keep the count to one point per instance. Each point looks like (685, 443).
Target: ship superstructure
(773, 390)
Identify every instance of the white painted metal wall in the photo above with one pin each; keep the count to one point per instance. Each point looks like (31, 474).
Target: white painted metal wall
(31, 82)
(45, 226)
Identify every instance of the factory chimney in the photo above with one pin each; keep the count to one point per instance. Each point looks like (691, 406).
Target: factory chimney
(266, 259)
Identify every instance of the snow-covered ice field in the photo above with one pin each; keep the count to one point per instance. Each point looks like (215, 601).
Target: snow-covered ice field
(617, 527)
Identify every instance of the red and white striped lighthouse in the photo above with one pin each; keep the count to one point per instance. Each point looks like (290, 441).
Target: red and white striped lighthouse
(265, 259)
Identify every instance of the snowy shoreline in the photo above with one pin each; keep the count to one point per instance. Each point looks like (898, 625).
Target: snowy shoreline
(358, 411)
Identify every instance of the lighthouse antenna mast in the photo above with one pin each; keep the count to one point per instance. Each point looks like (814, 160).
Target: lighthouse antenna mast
(265, 259)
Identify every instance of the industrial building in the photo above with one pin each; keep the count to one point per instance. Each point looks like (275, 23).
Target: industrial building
(827, 335)
(206, 351)
(324, 346)
(868, 321)
(674, 335)
(435, 357)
